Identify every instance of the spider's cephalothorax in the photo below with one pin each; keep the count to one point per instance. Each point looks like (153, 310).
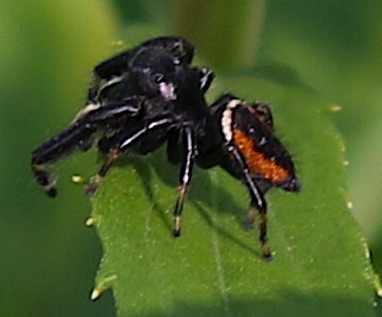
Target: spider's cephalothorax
(115, 69)
(152, 95)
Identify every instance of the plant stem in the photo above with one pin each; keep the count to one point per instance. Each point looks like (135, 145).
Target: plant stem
(226, 32)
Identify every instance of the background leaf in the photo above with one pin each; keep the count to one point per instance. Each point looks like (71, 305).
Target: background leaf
(47, 51)
(216, 268)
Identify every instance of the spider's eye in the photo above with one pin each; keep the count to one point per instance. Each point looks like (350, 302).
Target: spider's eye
(158, 78)
(177, 47)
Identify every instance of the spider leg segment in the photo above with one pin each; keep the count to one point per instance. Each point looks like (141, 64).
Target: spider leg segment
(159, 122)
(105, 86)
(185, 177)
(78, 136)
(258, 203)
(112, 156)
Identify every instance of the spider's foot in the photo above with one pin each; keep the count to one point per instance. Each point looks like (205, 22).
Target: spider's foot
(177, 232)
(44, 180)
(267, 253)
(93, 186)
(51, 190)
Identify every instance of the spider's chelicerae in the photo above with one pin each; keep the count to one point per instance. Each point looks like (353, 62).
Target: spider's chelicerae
(151, 95)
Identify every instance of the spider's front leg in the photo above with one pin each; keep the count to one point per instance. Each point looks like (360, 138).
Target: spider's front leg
(185, 177)
(79, 135)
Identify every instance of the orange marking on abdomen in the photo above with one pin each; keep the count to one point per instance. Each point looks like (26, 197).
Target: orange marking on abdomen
(257, 162)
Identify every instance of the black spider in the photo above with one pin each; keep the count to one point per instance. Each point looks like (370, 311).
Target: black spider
(121, 97)
(151, 95)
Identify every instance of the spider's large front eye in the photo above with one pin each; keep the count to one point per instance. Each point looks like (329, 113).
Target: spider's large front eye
(176, 48)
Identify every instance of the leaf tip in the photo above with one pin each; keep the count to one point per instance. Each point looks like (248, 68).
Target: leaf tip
(378, 287)
(78, 179)
(96, 293)
(90, 222)
(103, 285)
(335, 108)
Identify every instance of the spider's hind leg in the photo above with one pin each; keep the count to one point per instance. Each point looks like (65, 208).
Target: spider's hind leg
(258, 205)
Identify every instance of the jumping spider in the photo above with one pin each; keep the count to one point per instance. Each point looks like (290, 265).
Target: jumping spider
(151, 95)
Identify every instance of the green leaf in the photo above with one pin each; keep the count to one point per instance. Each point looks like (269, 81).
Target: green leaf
(321, 265)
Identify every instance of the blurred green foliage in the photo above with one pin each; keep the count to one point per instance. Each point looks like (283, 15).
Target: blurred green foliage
(47, 51)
